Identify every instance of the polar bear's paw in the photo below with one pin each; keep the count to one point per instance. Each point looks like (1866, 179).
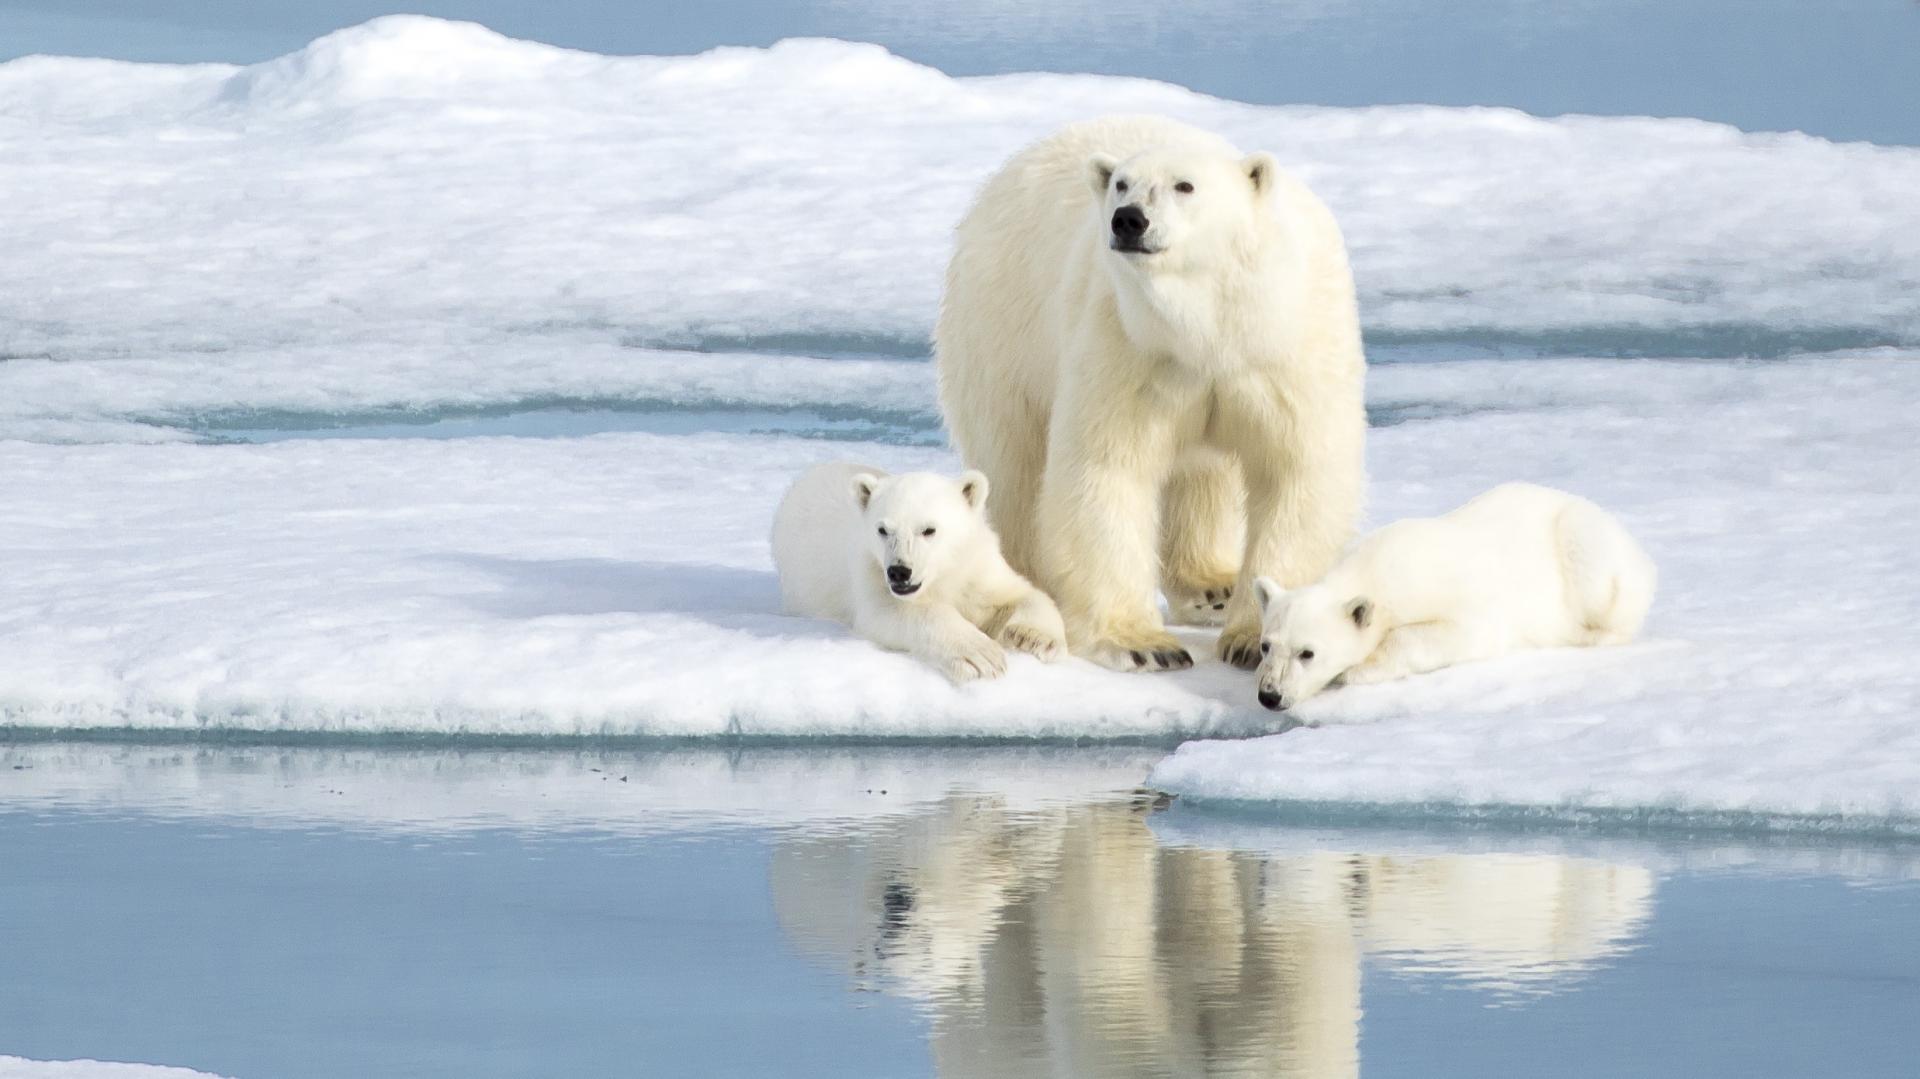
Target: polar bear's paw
(1045, 642)
(1240, 646)
(1199, 606)
(1147, 650)
(976, 658)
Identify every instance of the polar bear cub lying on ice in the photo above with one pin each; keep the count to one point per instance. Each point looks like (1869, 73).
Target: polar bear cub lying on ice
(1518, 567)
(911, 564)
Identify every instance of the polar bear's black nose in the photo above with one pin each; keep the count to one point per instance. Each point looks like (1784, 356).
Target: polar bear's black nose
(1129, 223)
(1270, 699)
(898, 574)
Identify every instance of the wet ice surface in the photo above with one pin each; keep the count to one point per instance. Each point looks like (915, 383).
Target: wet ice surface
(1010, 912)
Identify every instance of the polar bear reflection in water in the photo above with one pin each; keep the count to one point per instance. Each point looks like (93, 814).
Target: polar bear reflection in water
(1071, 942)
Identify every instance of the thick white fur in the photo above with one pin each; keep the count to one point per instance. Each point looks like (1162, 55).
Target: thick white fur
(1518, 567)
(1190, 418)
(833, 558)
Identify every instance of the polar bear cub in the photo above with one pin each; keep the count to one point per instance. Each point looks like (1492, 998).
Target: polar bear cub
(1518, 567)
(911, 564)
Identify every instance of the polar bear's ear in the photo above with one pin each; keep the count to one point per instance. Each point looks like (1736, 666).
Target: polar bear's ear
(1267, 590)
(973, 488)
(1261, 169)
(1360, 609)
(862, 486)
(1100, 171)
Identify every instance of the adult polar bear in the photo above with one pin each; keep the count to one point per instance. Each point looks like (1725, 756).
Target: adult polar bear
(1149, 344)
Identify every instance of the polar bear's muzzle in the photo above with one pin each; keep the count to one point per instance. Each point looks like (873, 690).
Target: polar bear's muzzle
(900, 580)
(1130, 231)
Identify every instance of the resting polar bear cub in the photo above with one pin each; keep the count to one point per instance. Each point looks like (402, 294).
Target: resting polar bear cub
(1515, 568)
(909, 562)
(1149, 342)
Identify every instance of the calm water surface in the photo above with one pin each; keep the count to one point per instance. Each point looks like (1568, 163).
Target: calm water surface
(1844, 69)
(277, 912)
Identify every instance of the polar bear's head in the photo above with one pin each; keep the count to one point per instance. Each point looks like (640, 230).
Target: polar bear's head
(920, 526)
(1171, 210)
(1309, 637)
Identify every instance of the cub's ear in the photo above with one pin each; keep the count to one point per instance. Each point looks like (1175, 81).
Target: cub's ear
(973, 487)
(1360, 609)
(1267, 591)
(1262, 169)
(1100, 171)
(862, 486)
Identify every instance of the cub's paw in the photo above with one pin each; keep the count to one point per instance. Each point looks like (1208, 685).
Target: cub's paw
(1199, 606)
(1145, 651)
(1047, 643)
(1240, 646)
(974, 659)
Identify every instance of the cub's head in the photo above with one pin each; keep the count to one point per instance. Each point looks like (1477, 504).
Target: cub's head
(920, 526)
(1309, 637)
(1173, 210)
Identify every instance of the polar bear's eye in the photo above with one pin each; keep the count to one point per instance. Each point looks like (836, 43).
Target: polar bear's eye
(1183, 187)
(926, 531)
(1265, 647)
(883, 530)
(1120, 187)
(1305, 655)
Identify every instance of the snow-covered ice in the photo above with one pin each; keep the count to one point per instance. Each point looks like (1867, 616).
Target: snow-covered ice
(22, 1068)
(1777, 673)
(619, 585)
(614, 585)
(415, 213)
(415, 220)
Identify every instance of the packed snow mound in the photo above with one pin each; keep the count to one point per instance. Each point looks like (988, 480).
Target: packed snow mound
(396, 57)
(432, 191)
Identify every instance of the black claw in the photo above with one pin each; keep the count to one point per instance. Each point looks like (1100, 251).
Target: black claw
(1138, 659)
(1219, 606)
(1209, 595)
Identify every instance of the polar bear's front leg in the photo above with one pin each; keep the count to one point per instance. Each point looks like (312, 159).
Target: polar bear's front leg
(1413, 649)
(1034, 626)
(1107, 455)
(1304, 462)
(1201, 537)
(936, 634)
(1017, 614)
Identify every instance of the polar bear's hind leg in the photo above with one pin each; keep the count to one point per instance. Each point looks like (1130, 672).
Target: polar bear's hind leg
(1609, 578)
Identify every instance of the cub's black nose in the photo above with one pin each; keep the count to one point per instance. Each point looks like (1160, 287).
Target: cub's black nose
(1129, 223)
(1270, 699)
(898, 574)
